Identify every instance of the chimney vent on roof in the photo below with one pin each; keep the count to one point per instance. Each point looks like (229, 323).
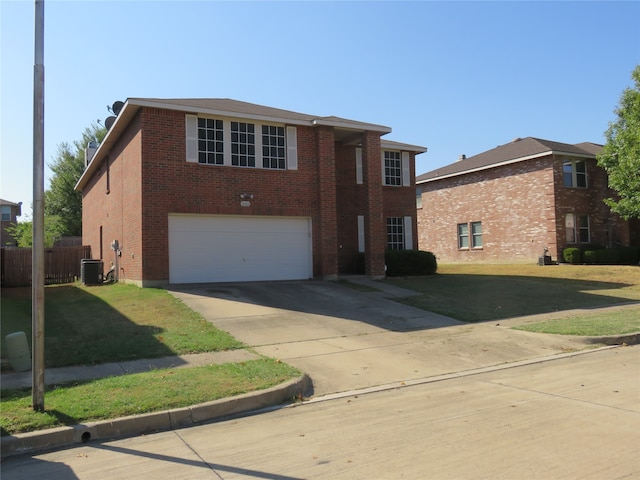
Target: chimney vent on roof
(462, 157)
(89, 152)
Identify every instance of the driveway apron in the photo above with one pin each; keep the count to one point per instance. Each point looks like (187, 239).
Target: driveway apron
(346, 339)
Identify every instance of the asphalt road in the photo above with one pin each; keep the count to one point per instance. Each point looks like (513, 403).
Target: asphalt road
(567, 418)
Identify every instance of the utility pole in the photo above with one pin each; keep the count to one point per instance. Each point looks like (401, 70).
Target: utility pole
(37, 268)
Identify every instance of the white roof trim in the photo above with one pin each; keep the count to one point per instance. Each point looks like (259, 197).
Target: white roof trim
(506, 162)
(393, 145)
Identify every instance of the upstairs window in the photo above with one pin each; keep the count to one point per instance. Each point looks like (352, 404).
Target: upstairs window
(210, 141)
(243, 144)
(6, 213)
(219, 141)
(396, 170)
(392, 168)
(273, 147)
(574, 173)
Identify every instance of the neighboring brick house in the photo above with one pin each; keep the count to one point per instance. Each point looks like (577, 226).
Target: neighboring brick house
(10, 213)
(211, 190)
(510, 203)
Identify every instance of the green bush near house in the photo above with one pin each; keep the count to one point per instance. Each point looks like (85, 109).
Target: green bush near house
(629, 255)
(410, 262)
(596, 255)
(608, 256)
(572, 255)
(590, 257)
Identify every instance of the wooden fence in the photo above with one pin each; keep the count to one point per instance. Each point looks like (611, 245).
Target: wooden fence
(62, 265)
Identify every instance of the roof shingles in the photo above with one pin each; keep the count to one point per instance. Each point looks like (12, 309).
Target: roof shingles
(518, 150)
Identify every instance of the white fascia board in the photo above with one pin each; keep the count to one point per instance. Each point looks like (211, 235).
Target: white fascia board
(350, 125)
(507, 162)
(392, 145)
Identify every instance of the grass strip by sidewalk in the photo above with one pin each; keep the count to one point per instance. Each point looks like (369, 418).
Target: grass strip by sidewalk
(88, 325)
(114, 397)
(613, 323)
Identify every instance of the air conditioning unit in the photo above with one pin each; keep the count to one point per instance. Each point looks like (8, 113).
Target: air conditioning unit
(89, 152)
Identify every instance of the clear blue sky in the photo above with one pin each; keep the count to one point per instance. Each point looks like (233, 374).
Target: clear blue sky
(456, 77)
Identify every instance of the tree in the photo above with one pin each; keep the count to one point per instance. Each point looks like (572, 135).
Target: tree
(23, 232)
(61, 200)
(620, 156)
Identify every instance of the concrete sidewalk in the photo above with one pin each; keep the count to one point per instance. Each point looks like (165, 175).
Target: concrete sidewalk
(343, 339)
(54, 376)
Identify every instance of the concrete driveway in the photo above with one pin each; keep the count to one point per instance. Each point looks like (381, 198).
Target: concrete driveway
(346, 339)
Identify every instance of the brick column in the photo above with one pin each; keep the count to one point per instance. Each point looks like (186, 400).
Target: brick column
(327, 203)
(375, 224)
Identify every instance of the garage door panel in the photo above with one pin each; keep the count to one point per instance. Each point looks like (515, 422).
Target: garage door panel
(226, 248)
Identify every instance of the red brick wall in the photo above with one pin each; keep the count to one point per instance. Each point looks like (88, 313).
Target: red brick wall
(515, 204)
(374, 220)
(606, 228)
(352, 201)
(522, 208)
(116, 209)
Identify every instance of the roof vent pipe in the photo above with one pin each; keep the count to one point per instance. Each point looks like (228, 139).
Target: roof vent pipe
(462, 157)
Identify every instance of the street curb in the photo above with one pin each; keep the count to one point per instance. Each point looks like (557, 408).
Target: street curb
(154, 422)
(630, 339)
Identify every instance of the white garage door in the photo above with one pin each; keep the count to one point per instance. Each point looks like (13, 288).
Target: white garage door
(222, 248)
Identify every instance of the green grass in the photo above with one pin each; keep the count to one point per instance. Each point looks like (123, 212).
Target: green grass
(118, 322)
(125, 395)
(476, 293)
(619, 322)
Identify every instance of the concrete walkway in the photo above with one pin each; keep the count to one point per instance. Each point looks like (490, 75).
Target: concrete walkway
(344, 339)
(55, 376)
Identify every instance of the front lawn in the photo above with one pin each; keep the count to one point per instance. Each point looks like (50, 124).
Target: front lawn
(87, 325)
(476, 293)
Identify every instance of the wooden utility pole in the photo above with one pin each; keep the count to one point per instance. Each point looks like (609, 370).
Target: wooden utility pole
(37, 269)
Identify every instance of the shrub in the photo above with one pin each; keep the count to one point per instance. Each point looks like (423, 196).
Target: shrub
(572, 255)
(608, 256)
(410, 262)
(590, 256)
(629, 255)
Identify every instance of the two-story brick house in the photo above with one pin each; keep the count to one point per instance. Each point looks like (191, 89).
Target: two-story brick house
(214, 190)
(10, 213)
(510, 203)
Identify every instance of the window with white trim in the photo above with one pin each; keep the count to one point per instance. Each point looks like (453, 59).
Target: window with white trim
(574, 173)
(210, 141)
(577, 228)
(243, 144)
(463, 235)
(219, 141)
(470, 234)
(392, 168)
(273, 147)
(395, 233)
(476, 234)
(396, 170)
